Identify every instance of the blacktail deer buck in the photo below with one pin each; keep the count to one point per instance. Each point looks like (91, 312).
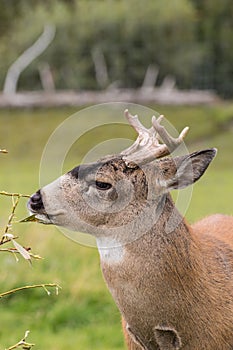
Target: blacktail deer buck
(172, 282)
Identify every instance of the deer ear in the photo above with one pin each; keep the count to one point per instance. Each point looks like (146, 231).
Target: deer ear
(167, 338)
(189, 168)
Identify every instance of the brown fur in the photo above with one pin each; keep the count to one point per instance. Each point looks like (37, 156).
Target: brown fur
(172, 282)
(182, 281)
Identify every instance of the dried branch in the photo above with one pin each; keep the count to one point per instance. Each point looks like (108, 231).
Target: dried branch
(9, 237)
(22, 343)
(12, 214)
(15, 251)
(101, 71)
(39, 46)
(4, 193)
(150, 78)
(46, 77)
(44, 286)
(25, 252)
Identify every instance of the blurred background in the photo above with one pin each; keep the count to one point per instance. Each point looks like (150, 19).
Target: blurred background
(100, 43)
(58, 57)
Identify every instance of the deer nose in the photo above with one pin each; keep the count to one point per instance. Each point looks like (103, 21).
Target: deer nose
(35, 203)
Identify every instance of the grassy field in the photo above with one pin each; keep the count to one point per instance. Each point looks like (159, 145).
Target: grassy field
(83, 315)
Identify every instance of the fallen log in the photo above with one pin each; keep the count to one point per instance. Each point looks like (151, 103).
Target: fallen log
(80, 98)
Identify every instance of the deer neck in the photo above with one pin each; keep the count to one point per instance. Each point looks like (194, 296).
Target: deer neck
(167, 236)
(153, 273)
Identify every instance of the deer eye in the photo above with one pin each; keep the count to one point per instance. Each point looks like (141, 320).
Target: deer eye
(102, 185)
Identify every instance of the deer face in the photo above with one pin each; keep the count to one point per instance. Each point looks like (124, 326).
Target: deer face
(105, 194)
(98, 197)
(115, 192)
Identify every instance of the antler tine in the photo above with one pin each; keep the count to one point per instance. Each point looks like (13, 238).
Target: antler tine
(143, 133)
(135, 122)
(158, 121)
(171, 142)
(147, 148)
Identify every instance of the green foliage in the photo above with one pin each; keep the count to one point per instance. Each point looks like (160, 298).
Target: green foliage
(130, 35)
(189, 39)
(83, 315)
(214, 33)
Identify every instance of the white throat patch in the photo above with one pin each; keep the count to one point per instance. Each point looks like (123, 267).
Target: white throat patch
(110, 250)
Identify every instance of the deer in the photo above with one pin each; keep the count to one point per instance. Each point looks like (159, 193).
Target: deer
(171, 281)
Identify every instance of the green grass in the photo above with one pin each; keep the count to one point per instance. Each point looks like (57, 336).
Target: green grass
(83, 315)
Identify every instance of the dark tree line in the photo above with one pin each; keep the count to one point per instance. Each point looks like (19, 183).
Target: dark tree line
(191, 40)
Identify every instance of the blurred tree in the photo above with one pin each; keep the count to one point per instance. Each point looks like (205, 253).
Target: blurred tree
(188, 39)
(22, 32)
(129, 35)
(132, 36)
(8, 9)
(215, 34)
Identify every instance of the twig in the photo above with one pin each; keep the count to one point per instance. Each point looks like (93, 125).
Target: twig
(12, 291)
(23, 343)
(7, 237)
(4, 193)
(12, 214)
(15, 251)
(25, 252)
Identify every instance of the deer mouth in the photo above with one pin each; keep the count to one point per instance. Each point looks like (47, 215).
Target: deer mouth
(38, 215)
(36, 208)
(42, 218)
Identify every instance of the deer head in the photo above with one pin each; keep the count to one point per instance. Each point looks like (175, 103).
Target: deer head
(123, 192)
